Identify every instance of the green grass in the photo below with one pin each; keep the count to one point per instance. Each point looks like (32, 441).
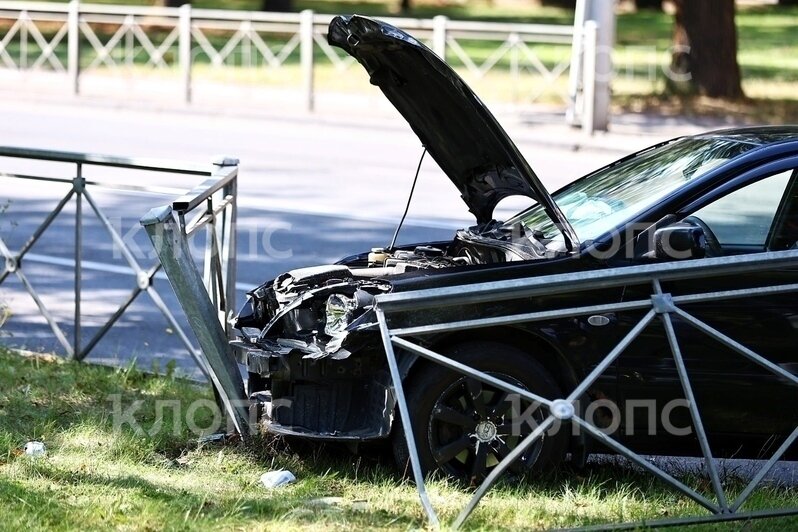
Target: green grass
(767, 54)
(95, 477)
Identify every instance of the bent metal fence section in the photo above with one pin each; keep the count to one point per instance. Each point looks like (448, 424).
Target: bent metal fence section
(207, 300)
(218, 215)
(425, 304)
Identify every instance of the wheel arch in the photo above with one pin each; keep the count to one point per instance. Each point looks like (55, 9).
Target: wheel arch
(547, 353)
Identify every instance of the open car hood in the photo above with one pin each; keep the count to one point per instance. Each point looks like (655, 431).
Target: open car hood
(459, 132)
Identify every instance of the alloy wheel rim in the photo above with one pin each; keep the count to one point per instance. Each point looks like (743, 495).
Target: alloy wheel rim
(473, 426)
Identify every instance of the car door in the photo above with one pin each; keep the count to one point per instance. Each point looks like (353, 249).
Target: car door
(757, 212)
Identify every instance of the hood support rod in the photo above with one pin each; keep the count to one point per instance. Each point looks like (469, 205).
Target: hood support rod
(409, 199)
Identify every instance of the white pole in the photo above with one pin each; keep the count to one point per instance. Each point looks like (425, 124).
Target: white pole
(184, 49)
(589, 78)
(73, 46)
(603, 12)
(439, 36)
(306, 56)
(573, 114)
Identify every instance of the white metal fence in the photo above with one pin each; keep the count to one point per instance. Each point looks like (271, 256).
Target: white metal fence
(534, 59)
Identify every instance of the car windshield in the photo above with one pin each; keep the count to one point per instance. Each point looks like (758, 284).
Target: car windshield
(600, 202)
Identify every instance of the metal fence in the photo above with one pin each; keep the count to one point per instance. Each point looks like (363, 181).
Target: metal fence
(74, 38)
(207, 300)
(216, 197)
(427, 307)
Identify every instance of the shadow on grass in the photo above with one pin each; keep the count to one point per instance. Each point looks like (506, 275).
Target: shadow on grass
(34, 507)
(751, 111)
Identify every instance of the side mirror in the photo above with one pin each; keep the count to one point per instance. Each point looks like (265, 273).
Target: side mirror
(679, 242)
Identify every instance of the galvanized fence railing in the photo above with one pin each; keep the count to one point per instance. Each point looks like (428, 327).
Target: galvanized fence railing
(427, 306)
(207, 300)
(216, 197)
(74, 38)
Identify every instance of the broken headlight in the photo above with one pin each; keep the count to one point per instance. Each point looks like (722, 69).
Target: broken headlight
(338, 311)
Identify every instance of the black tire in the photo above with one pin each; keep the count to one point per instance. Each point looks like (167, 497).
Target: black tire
(433, 388)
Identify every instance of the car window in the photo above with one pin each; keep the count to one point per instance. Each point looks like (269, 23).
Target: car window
(743, 218)
(600, 201)
(785, 230)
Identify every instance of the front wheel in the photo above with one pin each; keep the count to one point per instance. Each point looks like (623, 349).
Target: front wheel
(464, 428)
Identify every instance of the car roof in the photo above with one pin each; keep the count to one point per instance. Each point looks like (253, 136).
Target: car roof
(759, 135)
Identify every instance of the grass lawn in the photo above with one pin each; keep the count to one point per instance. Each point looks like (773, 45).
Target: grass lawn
(94, 477)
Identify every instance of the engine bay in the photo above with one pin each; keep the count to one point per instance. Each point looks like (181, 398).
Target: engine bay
(313, 310)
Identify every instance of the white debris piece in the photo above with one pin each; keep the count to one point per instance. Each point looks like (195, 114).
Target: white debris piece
(325, 502)
(35, 448)
(360, 506)
(275, 479)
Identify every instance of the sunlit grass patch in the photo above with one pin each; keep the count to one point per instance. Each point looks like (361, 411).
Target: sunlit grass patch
(97, 476)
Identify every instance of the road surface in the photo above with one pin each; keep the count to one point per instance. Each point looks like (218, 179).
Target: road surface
(312, 189)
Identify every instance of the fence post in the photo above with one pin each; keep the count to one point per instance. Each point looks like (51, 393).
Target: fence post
(73, 45)
(515, 71)
(306, 56)
(130, 48)
(439, 36)
(23, 40)
(184, 49)
(78, 184)
(229, 241)
(589, 77)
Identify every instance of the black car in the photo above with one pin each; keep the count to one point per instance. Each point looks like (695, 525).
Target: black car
(315, 359)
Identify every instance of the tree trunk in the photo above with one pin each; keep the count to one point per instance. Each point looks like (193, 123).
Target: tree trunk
(704, 57)
(405, 6)
(281, 6)
(171, 3)
(788, 2)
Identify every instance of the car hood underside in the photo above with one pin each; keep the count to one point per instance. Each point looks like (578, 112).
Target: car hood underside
(459, 132)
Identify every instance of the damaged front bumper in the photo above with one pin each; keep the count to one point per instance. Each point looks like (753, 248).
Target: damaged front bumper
(310, 347)
(348, 399)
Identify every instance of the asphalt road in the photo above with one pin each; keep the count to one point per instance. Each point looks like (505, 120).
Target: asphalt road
(312, 189)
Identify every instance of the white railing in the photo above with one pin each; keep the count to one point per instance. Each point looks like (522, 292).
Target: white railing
(75, 38)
